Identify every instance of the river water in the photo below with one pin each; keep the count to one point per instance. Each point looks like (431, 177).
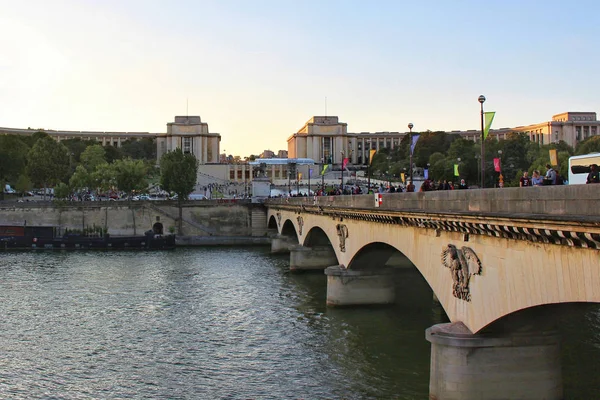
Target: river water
(220, 323)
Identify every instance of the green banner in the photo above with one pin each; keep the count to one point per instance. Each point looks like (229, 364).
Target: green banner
(489, 117)
(324, 169)
(456, 170)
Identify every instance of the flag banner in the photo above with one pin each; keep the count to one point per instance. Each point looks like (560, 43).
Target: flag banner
(456, 170)
(426, 173)
(324, 169)
(299, 176)
(309, 172)
(497, 164)
(553, 157)
(415, 138)
(489, 117)
(371, 154)
(344, 163)
(402, 176)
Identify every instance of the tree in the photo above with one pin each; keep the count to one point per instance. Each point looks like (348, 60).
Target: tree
(92, 157)
(47, 162)
(23, 184)
(80, 179)
(590, 145)
(62, 191)
(178, 172)
(130, 175)
(13, 159)
(143, 149)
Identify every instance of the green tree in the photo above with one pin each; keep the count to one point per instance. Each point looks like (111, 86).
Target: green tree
(130, 175)
(47, 162)
(62, 191)
(23, 184)
(178, 172)
(104, 177)
(113, 154)
(143, 149)
(589, 145)
(92, 157)
(13, 159)
(80, 179)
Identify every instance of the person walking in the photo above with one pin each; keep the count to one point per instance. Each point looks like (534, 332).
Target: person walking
(525, 181)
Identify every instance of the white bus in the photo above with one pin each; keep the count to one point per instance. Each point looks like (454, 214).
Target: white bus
(579, 167)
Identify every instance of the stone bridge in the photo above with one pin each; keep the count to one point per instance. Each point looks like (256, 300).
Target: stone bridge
(499, 261)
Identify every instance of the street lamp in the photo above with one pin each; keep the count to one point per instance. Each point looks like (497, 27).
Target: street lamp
(410, 126)
(458, 160)
(342, 174)
(481, 100)
(322, 176)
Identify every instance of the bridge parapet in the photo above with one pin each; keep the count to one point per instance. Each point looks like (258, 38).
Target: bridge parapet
(568, 200)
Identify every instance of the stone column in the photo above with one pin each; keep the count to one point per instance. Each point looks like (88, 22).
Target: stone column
(307, 258)
(282, 244)
(467, 366)
(347, 287)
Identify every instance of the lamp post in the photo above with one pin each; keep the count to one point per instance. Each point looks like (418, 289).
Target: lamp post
(309, 172)
(297, 183)
(322, 176)
(458, 160)
(481, 100)
(342, 174)
(410, 126)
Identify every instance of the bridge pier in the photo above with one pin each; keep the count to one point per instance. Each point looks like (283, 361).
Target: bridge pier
(359, 287)
(282, 243)
(465, 366)
(311, 258)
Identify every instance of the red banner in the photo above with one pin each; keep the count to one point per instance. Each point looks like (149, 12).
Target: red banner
(497, 167)
(344, 163)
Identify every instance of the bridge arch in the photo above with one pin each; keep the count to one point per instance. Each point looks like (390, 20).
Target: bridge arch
(272, 224)
(316, 236)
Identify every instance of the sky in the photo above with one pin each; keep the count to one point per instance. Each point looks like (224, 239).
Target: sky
(257, 70)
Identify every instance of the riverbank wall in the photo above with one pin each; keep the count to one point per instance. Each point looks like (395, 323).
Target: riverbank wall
(201, 219)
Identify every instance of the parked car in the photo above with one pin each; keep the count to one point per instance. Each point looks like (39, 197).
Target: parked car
(196, 196)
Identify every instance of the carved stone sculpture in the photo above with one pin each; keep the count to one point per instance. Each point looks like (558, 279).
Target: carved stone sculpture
(342, 232)
(463, 264)
(279, 219)
(300, 224)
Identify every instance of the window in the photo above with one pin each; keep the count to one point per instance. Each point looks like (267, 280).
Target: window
(578, 132)
(187, 145)
(594, 131)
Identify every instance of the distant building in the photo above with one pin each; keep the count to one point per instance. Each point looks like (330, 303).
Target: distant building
(267, 154)
(192, 136)
(282, 154)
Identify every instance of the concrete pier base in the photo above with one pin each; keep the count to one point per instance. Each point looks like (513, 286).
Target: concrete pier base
(311, 258)
(465, 366)
(282, 244)
(359, 287)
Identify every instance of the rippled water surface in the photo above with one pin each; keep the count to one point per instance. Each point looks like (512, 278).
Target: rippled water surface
(227, 323)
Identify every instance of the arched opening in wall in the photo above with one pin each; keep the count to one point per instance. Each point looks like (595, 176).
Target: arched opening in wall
(579, 327)
(289, 231)
(272, 225)
(413, 292)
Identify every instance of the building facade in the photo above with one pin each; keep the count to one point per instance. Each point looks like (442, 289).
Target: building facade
(191, 135)
(326, 140)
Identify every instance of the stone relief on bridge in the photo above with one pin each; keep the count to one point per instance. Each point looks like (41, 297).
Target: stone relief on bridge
(300, 224)
(463, 264)
(342, 232)
(279, 219)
